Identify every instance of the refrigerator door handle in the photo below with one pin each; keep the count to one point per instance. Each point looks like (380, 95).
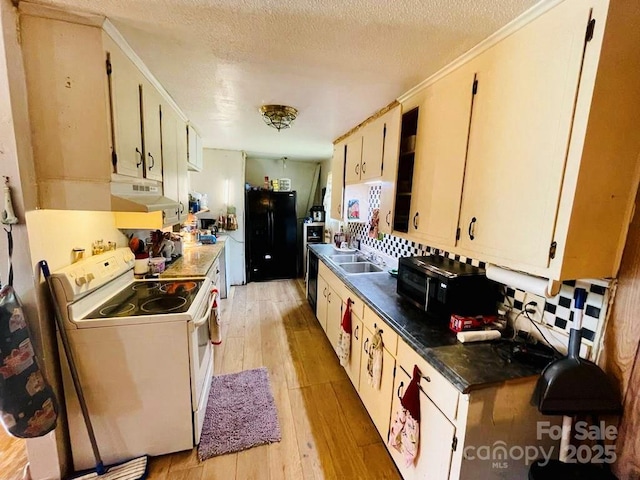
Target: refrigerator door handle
(272, 228)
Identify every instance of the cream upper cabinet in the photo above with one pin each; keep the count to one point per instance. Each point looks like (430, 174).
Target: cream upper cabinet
(152, 133)
(337, 182)
(353, 160)
(124, 88)
(519, 138)
(440, 153)
(194, 150)
(373, 139)
(391, 149)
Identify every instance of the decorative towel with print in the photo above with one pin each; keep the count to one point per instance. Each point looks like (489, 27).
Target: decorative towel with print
(344, 340)
(28, 407)
(214, 320)
(374, 362)
(404, 434)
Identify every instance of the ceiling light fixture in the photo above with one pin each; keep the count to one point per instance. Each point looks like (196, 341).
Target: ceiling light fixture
(278, 116)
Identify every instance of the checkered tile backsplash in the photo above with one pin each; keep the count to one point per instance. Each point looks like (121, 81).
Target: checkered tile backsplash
(557, 310)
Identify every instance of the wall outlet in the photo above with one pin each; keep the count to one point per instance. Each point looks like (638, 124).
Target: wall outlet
(535, 312)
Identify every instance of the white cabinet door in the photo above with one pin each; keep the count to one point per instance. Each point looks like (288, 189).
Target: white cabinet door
(152, 133)
(522, 117)
(353, 159)
(170, 163)
(377, 400)
(337, 182)
(322, 305)
(183, 176)
(194, 150)
(372, 150)
(436, 437)
(441, 148)
(125, 80)
(392, 122)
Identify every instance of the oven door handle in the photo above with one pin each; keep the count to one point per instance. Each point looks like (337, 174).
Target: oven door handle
(202, 320)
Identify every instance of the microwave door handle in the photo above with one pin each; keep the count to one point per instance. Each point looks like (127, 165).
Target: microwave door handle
(426, 300)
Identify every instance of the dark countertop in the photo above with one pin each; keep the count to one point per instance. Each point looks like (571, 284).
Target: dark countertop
(467, 367)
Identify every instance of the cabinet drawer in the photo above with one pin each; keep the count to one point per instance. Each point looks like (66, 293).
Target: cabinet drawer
(442, 393)
(374, 323)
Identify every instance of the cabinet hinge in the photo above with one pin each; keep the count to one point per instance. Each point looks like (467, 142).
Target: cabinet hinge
(109, 67)
(474, 90)
(458, 233)
(591, 26)
(454, 444)
(552, 250)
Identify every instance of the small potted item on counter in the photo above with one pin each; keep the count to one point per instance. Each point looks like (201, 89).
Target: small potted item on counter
(141, 264)
(156, 265)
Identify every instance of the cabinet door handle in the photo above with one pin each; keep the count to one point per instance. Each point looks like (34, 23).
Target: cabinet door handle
(365, 346)
(398, 391)
(153, 161)
(364, 167)
(388, 218)
(472, 227)
(181, 207)
(427, 378)
(357, 168)
(375, 327)
(355, 332)
(415, 220)
(324, 292)
(329, 297)
(139, 157)
(339, 209)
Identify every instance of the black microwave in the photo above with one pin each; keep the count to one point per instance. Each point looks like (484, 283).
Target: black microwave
(443, 287)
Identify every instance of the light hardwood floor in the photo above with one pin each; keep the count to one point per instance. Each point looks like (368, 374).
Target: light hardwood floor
(326, 432)
(13, 456)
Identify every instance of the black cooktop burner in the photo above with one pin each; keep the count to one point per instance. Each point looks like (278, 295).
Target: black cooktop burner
(150, 298)
(164, 304)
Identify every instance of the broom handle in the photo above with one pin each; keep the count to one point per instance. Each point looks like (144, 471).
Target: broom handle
(575, 335)
(72, 367)
(566, 438)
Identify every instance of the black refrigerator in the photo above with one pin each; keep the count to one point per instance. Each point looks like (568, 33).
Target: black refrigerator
(272, 231)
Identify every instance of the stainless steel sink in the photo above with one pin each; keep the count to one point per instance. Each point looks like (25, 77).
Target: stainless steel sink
(360, 267)
(347, 258)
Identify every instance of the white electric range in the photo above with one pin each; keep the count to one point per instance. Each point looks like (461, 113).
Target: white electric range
(143, 353)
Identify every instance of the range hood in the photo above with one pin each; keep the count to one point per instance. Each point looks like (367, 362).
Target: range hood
(130, 197)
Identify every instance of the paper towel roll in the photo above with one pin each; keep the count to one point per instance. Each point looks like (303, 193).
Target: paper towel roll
(523, 281)
(478, 336)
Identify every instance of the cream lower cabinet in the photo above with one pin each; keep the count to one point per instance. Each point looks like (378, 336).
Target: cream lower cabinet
(376, 400)
(322, 304)
(437, 435)
(334, 315)
(355, 356)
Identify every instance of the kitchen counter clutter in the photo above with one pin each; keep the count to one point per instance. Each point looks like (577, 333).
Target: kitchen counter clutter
(200, 260)
(471, 400)
(195, 261)
(467, 367)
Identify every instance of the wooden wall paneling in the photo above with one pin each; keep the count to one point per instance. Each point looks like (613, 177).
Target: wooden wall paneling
(621, 354)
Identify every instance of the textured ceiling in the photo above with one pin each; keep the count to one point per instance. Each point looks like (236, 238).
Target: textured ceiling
(336, 61)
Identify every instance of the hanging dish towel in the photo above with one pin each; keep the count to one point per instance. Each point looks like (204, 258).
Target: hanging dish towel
(404, 434)
(214, 320)
(344, 340)
(374, 362)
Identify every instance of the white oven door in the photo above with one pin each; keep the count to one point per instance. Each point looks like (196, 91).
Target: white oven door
(201, 352)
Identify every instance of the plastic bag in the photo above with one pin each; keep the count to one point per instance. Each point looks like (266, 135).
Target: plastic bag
(28, 406)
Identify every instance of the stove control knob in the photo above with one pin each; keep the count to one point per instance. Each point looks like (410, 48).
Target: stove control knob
(81, 280)
(90, 276)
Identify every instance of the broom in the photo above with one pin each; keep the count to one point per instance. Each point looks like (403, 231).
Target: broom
(135, 469)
